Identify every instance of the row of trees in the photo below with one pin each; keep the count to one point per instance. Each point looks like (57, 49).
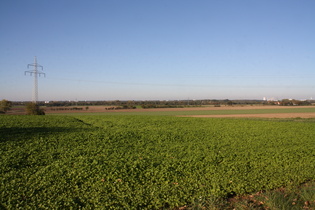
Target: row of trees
(34, 108)
(293, 102)
(176, 103)
(151, 103)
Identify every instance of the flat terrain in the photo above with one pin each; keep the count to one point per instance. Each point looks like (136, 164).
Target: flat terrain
(121, 161)
(210, 111)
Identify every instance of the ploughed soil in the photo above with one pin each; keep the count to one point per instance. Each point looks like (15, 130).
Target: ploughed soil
(100, 109)
(107, 109)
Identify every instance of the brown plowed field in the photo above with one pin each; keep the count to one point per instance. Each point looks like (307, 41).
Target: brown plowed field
(101, 109)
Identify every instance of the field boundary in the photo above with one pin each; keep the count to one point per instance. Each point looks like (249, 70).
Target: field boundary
(269, 115)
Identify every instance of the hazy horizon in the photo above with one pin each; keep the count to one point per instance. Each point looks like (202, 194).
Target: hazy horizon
(158, 50)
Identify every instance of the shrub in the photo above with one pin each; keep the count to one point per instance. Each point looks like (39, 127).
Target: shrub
(5, 106)
(33, 109)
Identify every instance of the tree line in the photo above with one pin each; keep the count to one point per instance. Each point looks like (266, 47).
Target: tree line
(148, 103)
(35, 108)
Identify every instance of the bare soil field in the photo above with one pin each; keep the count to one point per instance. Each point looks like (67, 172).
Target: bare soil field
(104, 109)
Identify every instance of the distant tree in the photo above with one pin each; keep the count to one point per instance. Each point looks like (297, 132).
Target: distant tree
(226, 101)
(294, 102)
(286, 102)
(117, 103)
(5, 106)
(33, 109)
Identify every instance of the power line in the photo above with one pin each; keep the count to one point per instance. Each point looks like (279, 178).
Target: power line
(35, 72)
(183, 85)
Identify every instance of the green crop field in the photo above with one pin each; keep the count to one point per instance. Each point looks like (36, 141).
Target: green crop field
(147, 162)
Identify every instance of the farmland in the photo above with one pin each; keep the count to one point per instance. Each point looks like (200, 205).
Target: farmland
(147, 162)
(225, 111)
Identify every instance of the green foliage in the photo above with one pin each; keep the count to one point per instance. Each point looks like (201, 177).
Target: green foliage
(293, 102)
(5, 106)
(33, 109)
(147, 162)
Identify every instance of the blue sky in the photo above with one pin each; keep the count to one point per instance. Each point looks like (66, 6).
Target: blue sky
(163, 49)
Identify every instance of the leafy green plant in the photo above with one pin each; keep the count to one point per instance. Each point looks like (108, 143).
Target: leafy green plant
(148, 162)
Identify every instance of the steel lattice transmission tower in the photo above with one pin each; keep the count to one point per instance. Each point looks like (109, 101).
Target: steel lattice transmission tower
(35, 73)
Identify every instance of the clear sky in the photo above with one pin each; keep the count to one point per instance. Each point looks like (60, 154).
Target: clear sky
(158, 49)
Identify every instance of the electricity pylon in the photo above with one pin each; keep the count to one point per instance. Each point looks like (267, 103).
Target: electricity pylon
(35, 73)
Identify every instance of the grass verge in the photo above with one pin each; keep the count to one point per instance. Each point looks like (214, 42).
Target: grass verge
(297, 197)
